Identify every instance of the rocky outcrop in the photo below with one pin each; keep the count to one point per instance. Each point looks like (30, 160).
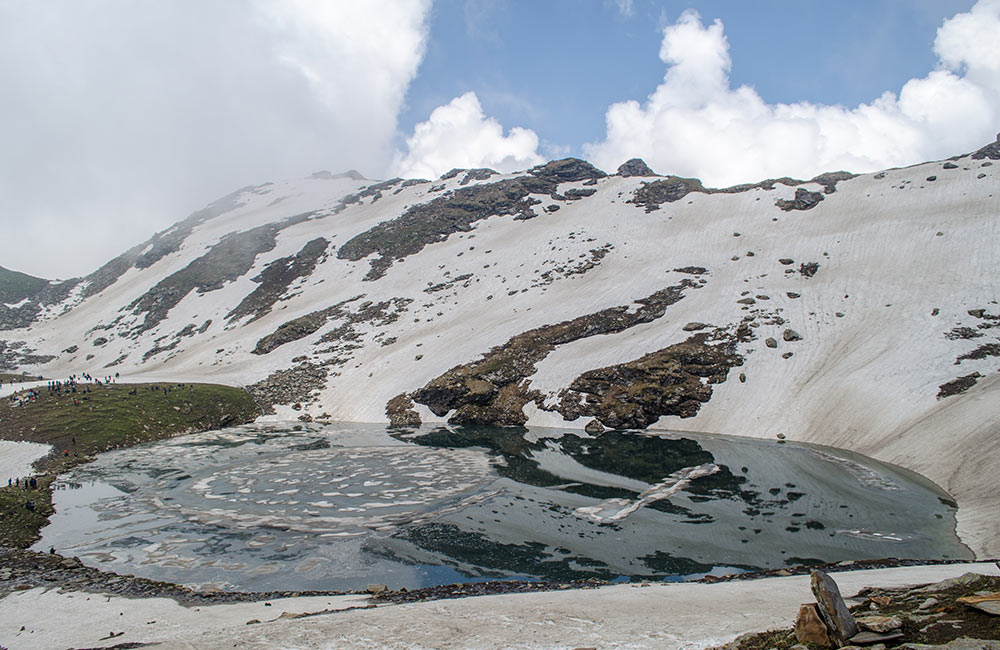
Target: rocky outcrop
(300, 327)
(226, 261)
(669, 189)
(804, 200)
(495, 389)
(991, 151)
(400, 412)
(294, 385)
(673, 381)
(276, 278)
(635, 167)
(457, 211)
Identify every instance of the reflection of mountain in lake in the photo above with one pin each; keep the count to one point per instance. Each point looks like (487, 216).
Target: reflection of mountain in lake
(536, 525)
(341, 506)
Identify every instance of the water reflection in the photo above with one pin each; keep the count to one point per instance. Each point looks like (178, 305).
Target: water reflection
(341, 506)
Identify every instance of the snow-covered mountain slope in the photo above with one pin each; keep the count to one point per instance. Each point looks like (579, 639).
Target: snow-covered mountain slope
(854, 311)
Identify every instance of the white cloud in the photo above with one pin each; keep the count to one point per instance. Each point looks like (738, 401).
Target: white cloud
(458, 134)
(696, 124)
(121, 116)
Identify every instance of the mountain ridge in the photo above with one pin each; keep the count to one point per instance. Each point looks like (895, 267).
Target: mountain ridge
(857, 311)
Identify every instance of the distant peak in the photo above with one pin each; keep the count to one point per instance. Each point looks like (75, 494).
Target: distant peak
(352, 174)
(635, 167)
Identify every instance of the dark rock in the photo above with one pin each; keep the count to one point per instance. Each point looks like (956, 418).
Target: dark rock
(958, 386)
(808, 269)
(400, 412)
(594, 427)
(791, 335)
(949, 165)
(932, 178)
(694, 326)
(991, 151)
(770, 342)
(786, 261)
(635, 167)
(793, 295)
(832, 608)
(804, 200)
(669, 189)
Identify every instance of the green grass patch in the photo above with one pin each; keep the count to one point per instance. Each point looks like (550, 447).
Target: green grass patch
(7, 377)
(99, 418)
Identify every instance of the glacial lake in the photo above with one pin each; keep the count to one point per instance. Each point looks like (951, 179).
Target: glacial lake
(341, 506)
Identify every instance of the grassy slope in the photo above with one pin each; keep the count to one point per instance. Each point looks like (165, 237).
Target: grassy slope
(105, 418)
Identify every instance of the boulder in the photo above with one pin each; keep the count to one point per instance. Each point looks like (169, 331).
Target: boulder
(791, 335)
(594, 427)
(832, 608)
(809, 626)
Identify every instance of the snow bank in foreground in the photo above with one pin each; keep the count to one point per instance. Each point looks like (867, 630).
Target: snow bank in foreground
(16, 458)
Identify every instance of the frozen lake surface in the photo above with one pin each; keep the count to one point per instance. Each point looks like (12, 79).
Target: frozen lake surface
(298, 507)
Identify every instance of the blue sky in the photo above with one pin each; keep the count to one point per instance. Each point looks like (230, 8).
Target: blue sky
(555, 66)
(120, 117)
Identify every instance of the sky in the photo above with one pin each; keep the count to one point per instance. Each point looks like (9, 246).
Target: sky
(120, 117)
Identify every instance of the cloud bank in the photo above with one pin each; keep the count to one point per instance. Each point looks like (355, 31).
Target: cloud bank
(696, 124)
(121, 116)
(458, 134)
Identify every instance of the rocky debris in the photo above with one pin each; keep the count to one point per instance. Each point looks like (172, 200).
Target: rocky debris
(21, 569)
(288, 386)
(14, 354)
(594, 427)
(575, 194)
(982, 352)
(808, 269)
(673, 381)
(480, 174)
(991, 151)
(829, 180)
(791, 335)
(464, 280)
(667, 190)
(804, 200)
(840, 623)
(692, 270)
(963, 333)
(275, 279)
(635, 167)
(226, 261)
(400, 412)
(958, 386)
(457, 211)
(494, 390)
(694, 326)
(880, 624)
(989, 603)
(492, 587)
(301, 327)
